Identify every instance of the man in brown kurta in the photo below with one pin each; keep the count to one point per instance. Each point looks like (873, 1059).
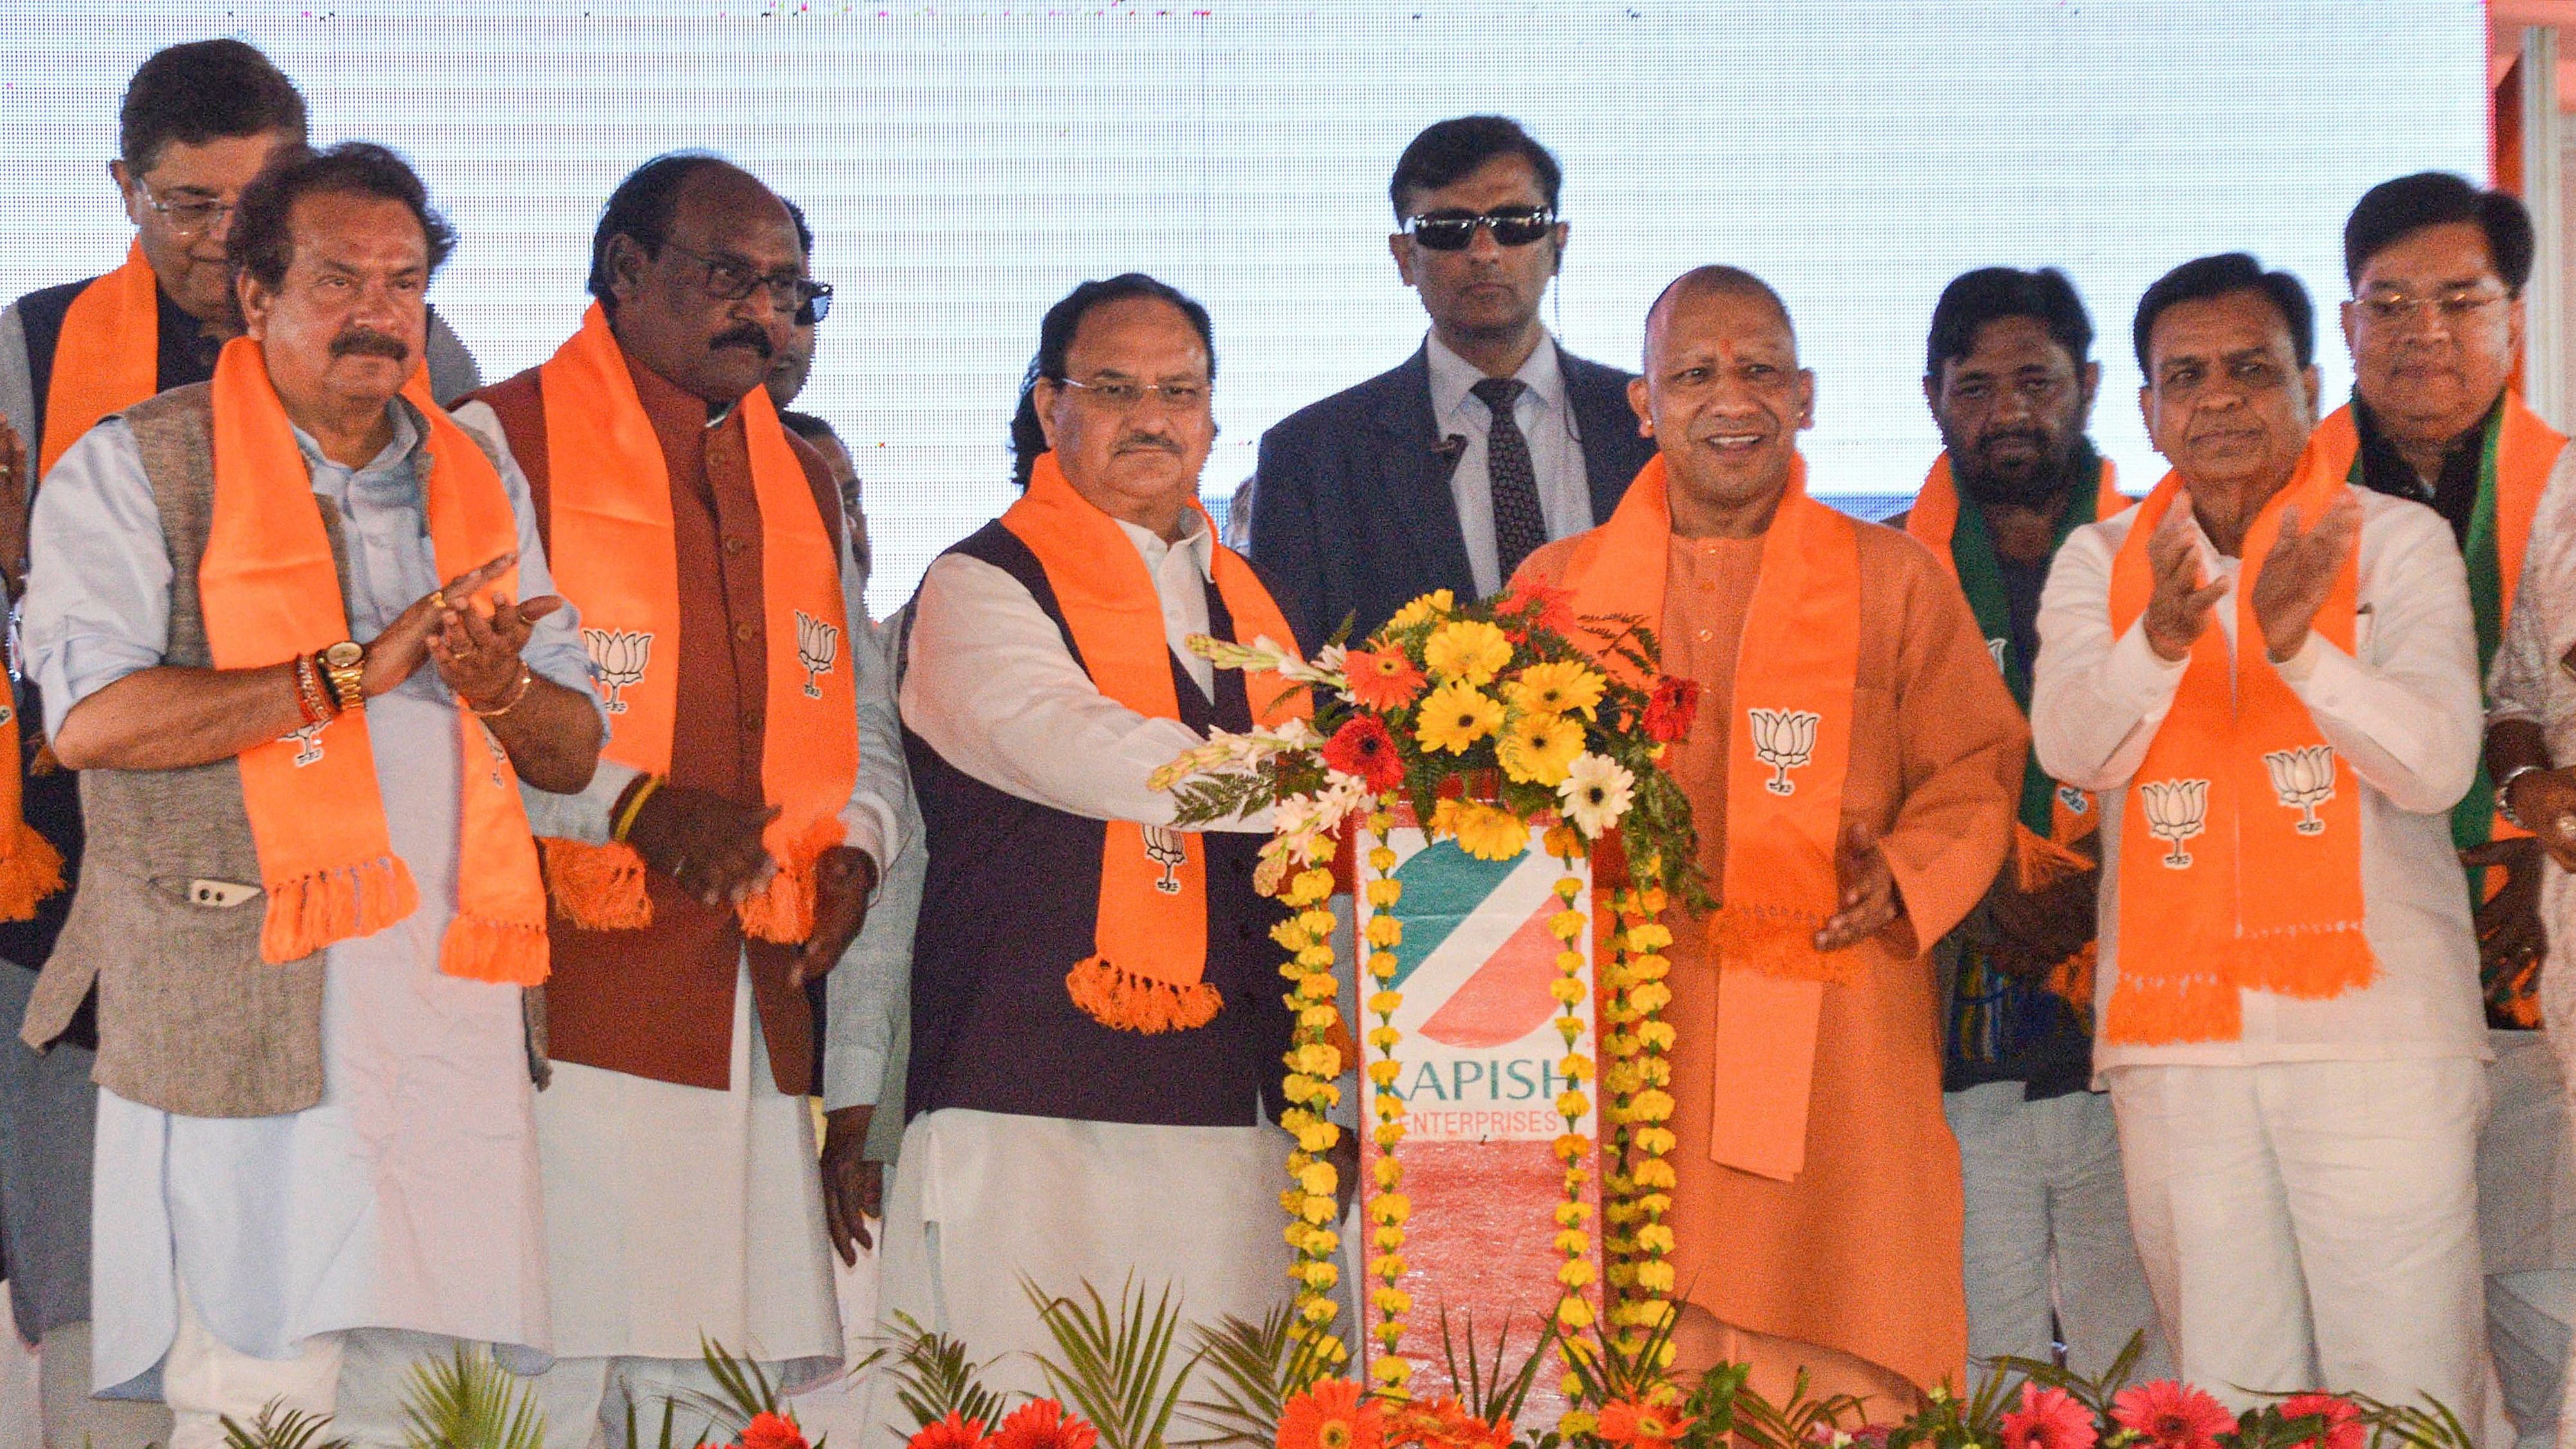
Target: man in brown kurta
(677, 1145)
(1849, 1264)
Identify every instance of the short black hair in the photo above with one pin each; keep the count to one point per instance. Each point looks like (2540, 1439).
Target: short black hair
(1990, 294)
(642, 207)
(1452, 150)
(807, 426)
(804, 233)
(2392, 210)
(2206, 277)
(262, 241)
(1055, 339)
(202, 91)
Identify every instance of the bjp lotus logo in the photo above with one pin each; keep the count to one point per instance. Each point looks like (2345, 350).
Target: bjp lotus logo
(1783, 739)
(617, 659)
(817, 644)
(2176, 810)
(2304, 778)
(1165, 847)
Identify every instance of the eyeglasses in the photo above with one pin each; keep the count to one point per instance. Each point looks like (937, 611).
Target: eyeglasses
(188, 218)
(1121, 397)
(1455, 231)
(2459, 304)
(727, 280)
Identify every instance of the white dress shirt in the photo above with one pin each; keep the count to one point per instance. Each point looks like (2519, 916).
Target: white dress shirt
(2402, 711)
(991, 687)
(1546, 419)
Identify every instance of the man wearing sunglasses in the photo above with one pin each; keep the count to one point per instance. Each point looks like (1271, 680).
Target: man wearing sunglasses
(725, 852)
(1488, 442)
(197, 122)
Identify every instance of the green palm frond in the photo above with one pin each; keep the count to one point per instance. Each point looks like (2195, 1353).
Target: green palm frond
(468, 1401)
(1254, 1370)
(1116, 1364)
(2428, 1428)
(276, 1426)
(933, 1378)
(1793, 1424)
(1491, 1389)
(743, 1390)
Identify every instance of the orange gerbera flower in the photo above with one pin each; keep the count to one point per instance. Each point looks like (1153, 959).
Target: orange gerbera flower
(949, 1433)
(1381, 679)
(1443, 1423)
(1043, 1424)
(773, 1431)
(1640, 1426)
(1332, 1415)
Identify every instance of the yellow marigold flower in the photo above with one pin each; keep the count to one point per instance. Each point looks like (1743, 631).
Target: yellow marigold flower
(1317, 985)
(1573, 1242)
(1653, 996)
(1489, 832)
(1328, 1095)
(1388, 1173)
(1384, 1073)
(1310, 886)
(1467, 649)
(1316, 958)
(1655, 1071)
(1384, 931)
(1382, 858)
(1319, 1059)
(1569, 1027)
(1438, 604)
(1657, 1140)
(1574, 1313)
(1571, 1146)
(1649, 968)
(1654, 901)
(1572, 1214)
(1567, 989)
(1657, 1034)
(1572, 1104)
(1389, 1133)
(1384, 892)
(1391, 1370)
(1318, 922)
(1575, 1068)
(1289, 936)
(1382, 965)
(1539, 749)
(1388, 1267)
(1320, 1242)
(1319, 1137)
(1557, 687)
(1655, 1238)
(1318, 1310)
(1318, 1276)
(1384, 1003)
(1576, 1273)
(1384, 1038)
(1569, 961)
(1568, 926)
(1575, 1422)
(1564, 842)
(1656, 1277)
(1391, 1209)
(1652, 1105)
(1656, 1203)
(1650, 936)
(1318, 1017)
(1299, 1088)
(1655, 1172)
(1318, 1178)
(1455, 716)
(1388, 1239)
(1391, 1300)
(1318, 1209)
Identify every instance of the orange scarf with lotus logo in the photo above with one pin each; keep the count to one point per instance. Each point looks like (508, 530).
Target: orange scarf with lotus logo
(2240, 839)
(272, 592)
(616, 558)
(1146, 972)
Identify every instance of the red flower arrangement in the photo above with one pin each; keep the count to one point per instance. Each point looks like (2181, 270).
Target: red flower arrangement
(1381, 679)
(2344, 1429)
(1333, 1415)
(949, 1433)
(772, 1431)
(1671, 708)
(2049, 1419)
(1634, 1425)
(1043, 1424)
(2172, 1415)
(1362, 747)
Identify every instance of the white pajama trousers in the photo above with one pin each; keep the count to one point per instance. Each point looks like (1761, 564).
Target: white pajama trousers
(2313, 1224)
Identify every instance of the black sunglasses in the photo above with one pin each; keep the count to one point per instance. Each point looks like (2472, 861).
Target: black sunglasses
(1455, 231)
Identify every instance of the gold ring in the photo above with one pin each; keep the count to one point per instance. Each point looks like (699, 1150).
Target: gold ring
(438, 600)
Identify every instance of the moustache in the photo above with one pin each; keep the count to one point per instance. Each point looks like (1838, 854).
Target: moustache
(1141, 442)
(745, 335)
(2034, 437)
(367, 342)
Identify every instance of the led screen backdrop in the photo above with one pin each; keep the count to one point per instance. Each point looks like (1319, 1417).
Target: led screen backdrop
(965, 165)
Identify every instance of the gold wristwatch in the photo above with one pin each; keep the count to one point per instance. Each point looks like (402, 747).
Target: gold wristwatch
(346, 665)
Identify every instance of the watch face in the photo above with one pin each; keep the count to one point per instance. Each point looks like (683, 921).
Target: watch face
(343, 654)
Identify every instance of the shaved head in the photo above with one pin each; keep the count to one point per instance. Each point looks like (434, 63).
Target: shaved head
(1712, 281)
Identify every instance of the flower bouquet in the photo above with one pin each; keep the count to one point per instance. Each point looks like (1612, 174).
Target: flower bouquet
(1489, 724)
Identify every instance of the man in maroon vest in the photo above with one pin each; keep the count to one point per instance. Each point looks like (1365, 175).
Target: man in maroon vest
(677, 1145)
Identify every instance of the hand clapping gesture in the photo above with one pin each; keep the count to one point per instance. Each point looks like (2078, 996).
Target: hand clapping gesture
(2178, 610)
(2300, 571)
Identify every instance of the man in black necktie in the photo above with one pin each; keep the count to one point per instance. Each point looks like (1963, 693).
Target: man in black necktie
(1491, 440)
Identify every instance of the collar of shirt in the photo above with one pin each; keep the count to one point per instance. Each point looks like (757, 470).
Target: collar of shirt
(408, 436)
(1453, 379)
(1194, 544)
(2454, 494)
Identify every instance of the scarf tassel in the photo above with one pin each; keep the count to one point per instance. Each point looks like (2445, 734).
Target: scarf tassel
(310, 912)
(502, 952)
(1126, 1001)
(2170, 1011)
(2039, 862)
(597, 887)
(31, 871)
(1777, 941)
(784, 912)
(2308, 963)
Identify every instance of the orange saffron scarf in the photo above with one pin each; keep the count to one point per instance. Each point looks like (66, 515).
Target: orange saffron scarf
(1789, 726)
(271, 592)
(616, 558)
(2240, 859)
(1149, 942)
(107, 357)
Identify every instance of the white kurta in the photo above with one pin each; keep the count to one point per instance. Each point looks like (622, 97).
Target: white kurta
(408, 1198)
(983, 1200)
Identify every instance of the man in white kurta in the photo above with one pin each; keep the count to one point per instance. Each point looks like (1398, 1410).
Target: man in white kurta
(311, 1256)
(2302, 1188)
(1044, 1146)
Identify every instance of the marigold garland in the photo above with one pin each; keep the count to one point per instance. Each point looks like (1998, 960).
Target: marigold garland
(1637, 1041)
(1388, 1208)
(1313, 1063)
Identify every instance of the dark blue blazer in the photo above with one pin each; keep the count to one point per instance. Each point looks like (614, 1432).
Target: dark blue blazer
(1351, 512)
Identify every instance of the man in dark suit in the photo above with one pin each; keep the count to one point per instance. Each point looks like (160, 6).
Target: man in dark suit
(1489, 441)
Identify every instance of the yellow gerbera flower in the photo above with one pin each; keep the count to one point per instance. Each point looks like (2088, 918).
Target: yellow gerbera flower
(1455, 716)
(1468, 649)
(1538, 749)
(1438, 604)
(1559, 687)
(1490, 833)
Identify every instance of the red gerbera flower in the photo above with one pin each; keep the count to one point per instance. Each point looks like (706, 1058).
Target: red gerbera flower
(773, 1431)
(950, 1433)
(1381, 679)
(2343, 1421)
(2049, 1419)
(1043, 1424)
(1640, 1426)
(1670, 710)
(1363, 748)
(1443, 1423)
(2172, 1415)
(1540, 606)
(1332, 1415)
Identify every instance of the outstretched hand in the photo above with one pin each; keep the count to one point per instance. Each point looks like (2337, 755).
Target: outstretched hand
(396, 654)
(2300, 571)
(2178, 609)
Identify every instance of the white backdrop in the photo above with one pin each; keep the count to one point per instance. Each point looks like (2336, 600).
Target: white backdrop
(966, 165)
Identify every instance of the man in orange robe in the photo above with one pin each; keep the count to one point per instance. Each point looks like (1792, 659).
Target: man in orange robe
(1817, 1208)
